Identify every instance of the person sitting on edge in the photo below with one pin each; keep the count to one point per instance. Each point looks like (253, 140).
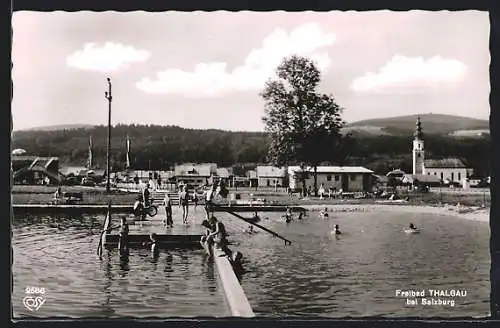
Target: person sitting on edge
(168, 210)
(205, 240)
(209, 196)
(184, 203)
(336, 230)
(218, 234)
(123, 242)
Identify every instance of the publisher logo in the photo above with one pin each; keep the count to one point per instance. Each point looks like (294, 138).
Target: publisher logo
(34, 299)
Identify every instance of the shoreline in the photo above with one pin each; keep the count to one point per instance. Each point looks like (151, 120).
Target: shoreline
(480, 214)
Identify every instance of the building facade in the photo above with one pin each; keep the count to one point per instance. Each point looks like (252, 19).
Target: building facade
(270, 176)
(345, 178)
(447, 169)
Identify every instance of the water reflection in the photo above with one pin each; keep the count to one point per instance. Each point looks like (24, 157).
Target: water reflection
(59, 254)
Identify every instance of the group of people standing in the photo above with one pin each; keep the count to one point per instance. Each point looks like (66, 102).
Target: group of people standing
(184, 199)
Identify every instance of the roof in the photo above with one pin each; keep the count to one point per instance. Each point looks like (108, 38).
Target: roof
(203, 170)
(421, 178)
(75, 170)
(444, 163)
(270, 172)
(394, 172)
(332, 169)
(223, 172)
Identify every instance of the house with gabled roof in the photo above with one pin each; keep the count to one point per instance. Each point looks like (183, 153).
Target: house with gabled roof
(345, 178)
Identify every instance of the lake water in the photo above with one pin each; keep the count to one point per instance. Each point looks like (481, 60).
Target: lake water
(319, 275)
(59, 255)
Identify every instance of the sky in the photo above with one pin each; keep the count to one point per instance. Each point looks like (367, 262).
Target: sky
(206, 70)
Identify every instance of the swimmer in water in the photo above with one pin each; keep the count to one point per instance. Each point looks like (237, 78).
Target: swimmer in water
(336, 230)
(412, 226)
(324, 213)
(154, 244)
(249, 229)
(288, 215)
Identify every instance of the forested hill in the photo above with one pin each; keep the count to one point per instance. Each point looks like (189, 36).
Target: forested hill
(159, 147)
(432, 124)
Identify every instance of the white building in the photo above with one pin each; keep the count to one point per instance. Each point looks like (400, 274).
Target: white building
(347, 178)
(270, 176)
(447, 169)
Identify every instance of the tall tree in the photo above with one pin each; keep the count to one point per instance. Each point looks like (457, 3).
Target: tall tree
(303, 124)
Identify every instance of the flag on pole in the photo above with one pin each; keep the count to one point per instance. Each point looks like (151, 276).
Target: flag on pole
(128, 153)
(89, 160)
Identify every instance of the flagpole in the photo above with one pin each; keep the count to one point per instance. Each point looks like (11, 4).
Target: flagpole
(108, 151)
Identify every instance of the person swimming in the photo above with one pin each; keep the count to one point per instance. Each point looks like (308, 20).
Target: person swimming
(412, 229)
(250, 230)
(336, 230)
(324, 213)
(287, 217)
(256, 217)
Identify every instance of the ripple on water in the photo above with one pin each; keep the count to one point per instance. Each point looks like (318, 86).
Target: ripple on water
(357, 273)
(59, 254)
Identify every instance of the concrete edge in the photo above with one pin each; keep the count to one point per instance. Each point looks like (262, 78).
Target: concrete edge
(233, 292)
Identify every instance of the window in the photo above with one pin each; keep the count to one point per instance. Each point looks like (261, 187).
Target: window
(329, 177)
(435, 173)
(452, 176)
(441, 175)
(418, 155)
(337, 178)
(268, 182)
(459, 176)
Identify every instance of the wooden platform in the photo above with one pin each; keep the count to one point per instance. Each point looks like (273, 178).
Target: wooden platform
(179, 236)
(164, 241)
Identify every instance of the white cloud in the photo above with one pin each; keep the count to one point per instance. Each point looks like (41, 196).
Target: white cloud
(214, 79)
(401, 71)
(108, 58)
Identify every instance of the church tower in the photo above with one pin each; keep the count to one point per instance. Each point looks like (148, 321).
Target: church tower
(418, 149)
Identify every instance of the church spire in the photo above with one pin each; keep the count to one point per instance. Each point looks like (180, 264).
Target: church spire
(418, 131)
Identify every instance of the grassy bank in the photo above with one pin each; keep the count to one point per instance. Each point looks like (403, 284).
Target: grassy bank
(97, 195)
(91, 195)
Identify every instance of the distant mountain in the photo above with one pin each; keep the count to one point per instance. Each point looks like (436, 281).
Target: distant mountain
(439, 124)
(60, 127)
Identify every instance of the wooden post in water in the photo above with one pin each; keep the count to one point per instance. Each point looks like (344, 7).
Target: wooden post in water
(495, 160)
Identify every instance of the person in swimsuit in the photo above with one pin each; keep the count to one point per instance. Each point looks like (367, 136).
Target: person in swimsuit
(123, 242)
(184, 203)
(218, 234)
(209, 196)
(154, 244)
(168, 210)
(336, 230)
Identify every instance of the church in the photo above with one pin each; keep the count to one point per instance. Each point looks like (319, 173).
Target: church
(447, 169)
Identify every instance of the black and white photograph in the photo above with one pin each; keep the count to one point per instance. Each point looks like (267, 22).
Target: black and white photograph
(250, 164)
